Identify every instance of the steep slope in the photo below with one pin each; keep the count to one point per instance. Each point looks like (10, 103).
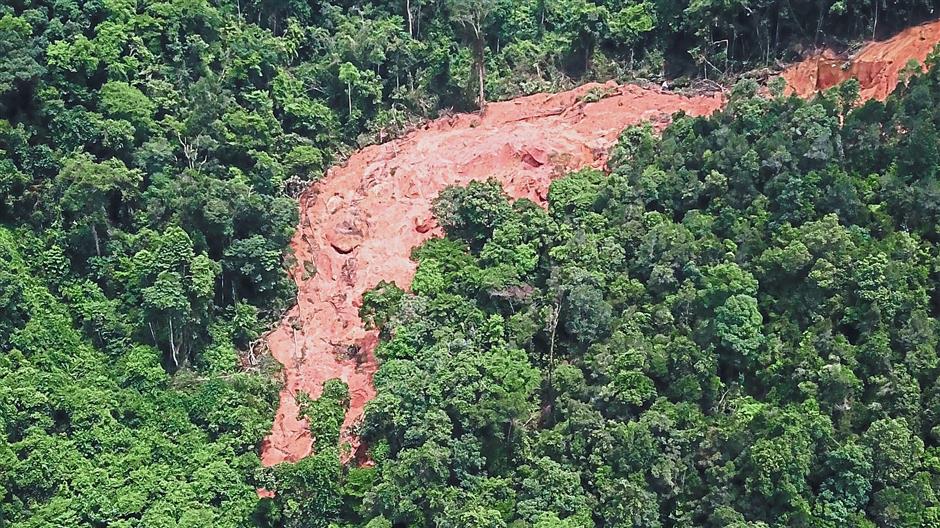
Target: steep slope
(876, 66)
(359, 223)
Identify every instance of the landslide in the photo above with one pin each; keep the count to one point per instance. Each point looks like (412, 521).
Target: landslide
(877, 65)
(360, 222)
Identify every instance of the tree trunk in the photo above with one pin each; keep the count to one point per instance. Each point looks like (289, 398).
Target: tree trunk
(776, 33)
(551, 357)
(418, 21)
(734, 40)
(481, 98)
(349, 97)
(819, 24)
(173, 350)
(410, 18)
(94, 234)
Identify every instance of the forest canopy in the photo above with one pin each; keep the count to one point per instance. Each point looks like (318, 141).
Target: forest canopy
(737, 326)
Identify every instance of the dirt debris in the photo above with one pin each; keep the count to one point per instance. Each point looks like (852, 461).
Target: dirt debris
(360, 222)
(877, 65)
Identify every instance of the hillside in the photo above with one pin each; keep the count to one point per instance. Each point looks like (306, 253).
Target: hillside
(525, 317)
(359, 224)
(876, 65)
(737, 325)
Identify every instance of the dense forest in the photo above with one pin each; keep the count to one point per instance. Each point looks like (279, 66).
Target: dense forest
(736, 326)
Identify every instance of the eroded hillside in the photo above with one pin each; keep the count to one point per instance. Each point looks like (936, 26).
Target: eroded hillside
(876, 66)
(359, 224)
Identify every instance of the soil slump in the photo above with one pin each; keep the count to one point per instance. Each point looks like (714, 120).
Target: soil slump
(360, 222)
(877, 65)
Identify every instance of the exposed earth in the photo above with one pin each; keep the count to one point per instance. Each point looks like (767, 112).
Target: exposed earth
(360, 222)
(877, 65)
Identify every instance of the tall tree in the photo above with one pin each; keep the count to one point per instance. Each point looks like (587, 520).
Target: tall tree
(472, 16)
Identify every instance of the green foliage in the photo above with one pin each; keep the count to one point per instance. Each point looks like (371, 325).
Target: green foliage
(472, 213)
(326, 413)
(91, 440)
(715, 334)
(308, 493)
(735, 327)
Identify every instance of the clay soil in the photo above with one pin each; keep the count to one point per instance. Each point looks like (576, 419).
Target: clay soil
(360, 222)
(876, 66)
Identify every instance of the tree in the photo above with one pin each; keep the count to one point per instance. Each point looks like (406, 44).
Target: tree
(894, 451)
(548, 488)
(177, 286)
(19, 68)
(473, 212)
(738, 328)
(364, 80)
(123, 101)
(307, 493)
(587, 315)
(91, 195)
(326, 413)
(472, 17)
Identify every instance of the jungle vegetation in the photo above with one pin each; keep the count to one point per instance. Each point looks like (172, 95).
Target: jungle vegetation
(725, 330)
(736, 327)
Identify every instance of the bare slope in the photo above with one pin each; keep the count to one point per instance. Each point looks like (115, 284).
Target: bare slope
(876, 66)
(359, 223)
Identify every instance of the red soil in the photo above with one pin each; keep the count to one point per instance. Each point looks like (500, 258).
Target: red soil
(876, 66)
(360, 222)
